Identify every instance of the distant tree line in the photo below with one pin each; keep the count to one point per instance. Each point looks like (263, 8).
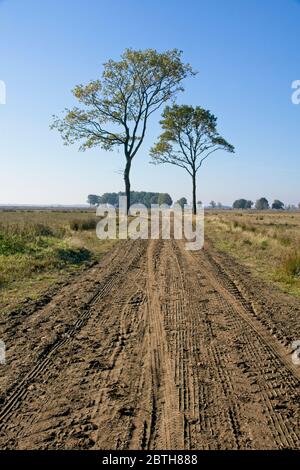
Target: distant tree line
(136, 197)
(263, 204)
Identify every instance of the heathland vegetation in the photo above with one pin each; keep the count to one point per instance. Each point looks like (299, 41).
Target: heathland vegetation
(267, 242)
(38, 248)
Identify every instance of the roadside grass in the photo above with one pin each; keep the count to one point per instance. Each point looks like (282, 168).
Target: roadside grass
(266, 242)
(40, 248)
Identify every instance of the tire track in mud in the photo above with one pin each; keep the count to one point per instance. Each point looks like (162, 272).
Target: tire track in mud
(262, 358)
(165, 427)
(20, 389)
(166, 354)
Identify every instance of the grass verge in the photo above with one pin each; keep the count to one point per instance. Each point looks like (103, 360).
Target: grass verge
(40, 249)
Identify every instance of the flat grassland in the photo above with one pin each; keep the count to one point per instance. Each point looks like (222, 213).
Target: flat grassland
(40, 248)
(266, 242)
(154, 347)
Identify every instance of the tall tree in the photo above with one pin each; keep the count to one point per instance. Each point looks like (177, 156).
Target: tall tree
(165, 198)
(93, 200)
(182, 201)
(189, 137)
(114, 111)
(278, 205)
(262, 204)
(242, 204)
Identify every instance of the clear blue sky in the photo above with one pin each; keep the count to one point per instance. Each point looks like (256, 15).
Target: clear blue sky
(247, 53)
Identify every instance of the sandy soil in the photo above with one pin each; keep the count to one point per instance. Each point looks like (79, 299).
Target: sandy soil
(154, 348)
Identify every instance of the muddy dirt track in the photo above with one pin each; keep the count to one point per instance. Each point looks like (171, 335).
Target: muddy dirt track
(154, 348)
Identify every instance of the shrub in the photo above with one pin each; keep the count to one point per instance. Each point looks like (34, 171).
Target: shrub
(291, 265)
(73, 255)
(10, 245)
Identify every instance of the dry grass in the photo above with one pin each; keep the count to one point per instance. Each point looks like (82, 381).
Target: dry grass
(38, 248)
(267, 242)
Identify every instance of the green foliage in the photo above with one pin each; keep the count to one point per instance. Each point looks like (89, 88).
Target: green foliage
(291, 265)
(164, 198)
(114, 111)
(262, 204)
(72, 256)
(136, 197)
(10, 245)
(189, 136)
(278, 205)
(182, 201)
(93, 199)
(242, 204)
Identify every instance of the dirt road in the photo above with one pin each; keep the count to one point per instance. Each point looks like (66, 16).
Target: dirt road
(155, 348)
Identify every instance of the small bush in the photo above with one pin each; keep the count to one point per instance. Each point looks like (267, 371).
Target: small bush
(264, 244)
(291, 265)
(10, 245)
(73, 255)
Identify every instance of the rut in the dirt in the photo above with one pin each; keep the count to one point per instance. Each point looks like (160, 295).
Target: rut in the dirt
(157, 348)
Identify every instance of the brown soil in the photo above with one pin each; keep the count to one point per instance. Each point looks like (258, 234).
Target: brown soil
(154, 348)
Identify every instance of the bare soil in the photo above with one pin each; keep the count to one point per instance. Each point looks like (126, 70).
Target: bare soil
(153, 348)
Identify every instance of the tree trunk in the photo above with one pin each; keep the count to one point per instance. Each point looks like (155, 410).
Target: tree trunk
(194, 194)
(127, 183)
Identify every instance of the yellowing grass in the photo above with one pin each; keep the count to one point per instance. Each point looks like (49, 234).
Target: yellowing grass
(267, 242)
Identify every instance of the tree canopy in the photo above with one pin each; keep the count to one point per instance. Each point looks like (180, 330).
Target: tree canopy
(182, 201)
(114, 111)
(93, 199)
(242, 204)
(278, 205)
(137, 197)
(189, 137)
(262, 204)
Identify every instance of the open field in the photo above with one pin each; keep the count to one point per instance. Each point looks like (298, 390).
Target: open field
(155, 347)
(40, 248)
(268, 242)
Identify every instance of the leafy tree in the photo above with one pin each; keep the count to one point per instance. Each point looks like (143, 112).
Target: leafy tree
(114, 111)
(212, 204)
(110, 198)
(219, 205)
(239, 204)
(136, 197)
(242, 204)
(182, 201)
(278, 205)
(262, 204)
(93, 200)
(189, 137)
(165, 198)
(249, 204)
